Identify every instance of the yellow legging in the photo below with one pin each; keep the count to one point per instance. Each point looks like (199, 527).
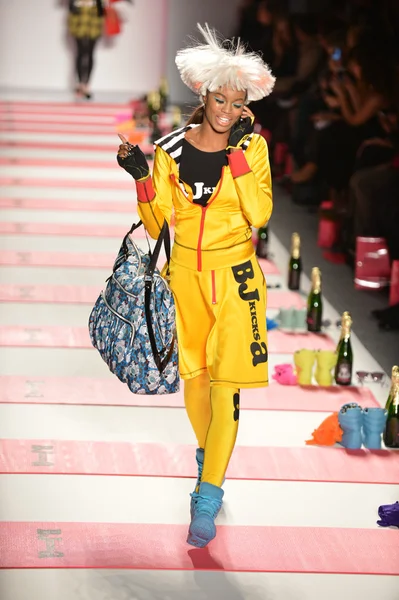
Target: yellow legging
(214, 414)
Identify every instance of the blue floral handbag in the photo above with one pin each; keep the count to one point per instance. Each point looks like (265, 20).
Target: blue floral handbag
(132, 324)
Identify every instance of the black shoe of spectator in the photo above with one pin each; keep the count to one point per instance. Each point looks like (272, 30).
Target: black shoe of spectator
(389, 318)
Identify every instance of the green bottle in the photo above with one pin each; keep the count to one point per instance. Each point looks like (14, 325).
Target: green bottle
(343, 368)
(315, 303)
(262, 246)
(154, 107)
(176, 118)
(391, 433)
(163, 94)
(295, 264)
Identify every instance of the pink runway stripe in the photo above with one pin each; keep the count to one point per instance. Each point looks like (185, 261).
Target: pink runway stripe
(65, 457)
(59, 130)
(53, 107)
(277, 299)
(61, 294)
(44, 337)
(19, 389)
(14, 258)
(110, 148)
(286, 343)
(163, 547)
(78, 337)
(73, 205)
(68, 229)
(68, 294)
(268, 267)
(123, 184)
(57, 118)
(59, 162)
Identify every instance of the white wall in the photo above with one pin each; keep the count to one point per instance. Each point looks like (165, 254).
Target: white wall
(35, 53)
(183, 16)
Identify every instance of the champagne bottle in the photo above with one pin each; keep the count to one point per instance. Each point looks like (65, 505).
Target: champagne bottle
(176, 117)
(295, 264)
(154, 106)
(163, 94)
(343, 368)
(391, 433)
(262, 245)
(315, 303)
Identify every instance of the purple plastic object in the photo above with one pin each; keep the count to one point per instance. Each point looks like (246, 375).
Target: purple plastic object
(389, 515)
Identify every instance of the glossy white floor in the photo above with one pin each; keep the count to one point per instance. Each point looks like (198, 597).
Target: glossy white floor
(135, 499)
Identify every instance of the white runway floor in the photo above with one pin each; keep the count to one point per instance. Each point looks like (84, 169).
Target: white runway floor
(71, 498)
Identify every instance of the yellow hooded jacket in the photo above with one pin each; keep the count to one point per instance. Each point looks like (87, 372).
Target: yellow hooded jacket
(218, 235)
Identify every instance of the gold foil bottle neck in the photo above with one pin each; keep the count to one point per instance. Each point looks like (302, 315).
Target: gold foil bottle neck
(395, 376)
(295, 245)
(346, 324)
(316, 280)
(164, 87)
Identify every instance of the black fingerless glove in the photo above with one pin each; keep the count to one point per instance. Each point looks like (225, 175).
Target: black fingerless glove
(135, 163)
(240, 131)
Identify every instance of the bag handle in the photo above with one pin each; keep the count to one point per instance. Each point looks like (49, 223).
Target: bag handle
(164, 238)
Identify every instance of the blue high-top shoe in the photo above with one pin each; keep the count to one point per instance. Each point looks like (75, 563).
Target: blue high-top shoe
(199, 456)
(374, 420)
(208, 503)
(350, 418)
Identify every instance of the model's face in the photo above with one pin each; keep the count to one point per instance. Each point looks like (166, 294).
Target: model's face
(223, 108)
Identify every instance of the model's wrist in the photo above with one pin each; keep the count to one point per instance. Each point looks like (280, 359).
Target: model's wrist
(231, 149)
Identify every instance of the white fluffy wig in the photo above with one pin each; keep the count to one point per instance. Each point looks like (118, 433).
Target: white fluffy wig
(218, 63)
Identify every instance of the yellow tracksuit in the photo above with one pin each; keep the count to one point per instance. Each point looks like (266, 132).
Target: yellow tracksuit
(219, 288)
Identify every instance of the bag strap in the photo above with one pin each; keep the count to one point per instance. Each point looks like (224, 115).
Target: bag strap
(164, 238)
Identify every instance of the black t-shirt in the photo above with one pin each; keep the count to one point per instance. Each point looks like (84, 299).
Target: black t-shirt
(201, 171)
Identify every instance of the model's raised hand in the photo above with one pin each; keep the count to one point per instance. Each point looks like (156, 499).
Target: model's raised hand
(132, 159)
(240, 131)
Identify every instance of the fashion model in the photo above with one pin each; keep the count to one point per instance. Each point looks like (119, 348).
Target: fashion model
(85, 25)
(214, 175)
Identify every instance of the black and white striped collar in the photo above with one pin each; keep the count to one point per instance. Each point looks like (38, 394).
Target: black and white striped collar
(172, 143)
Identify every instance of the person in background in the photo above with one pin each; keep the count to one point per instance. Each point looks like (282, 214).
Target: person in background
(314, 105)
(374, 189)
(309, 59)
(359, 95)
(259, 36)
(85, 25)
(285, 53)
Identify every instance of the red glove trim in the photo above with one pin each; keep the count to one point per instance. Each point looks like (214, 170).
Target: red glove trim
(238, 163)
(145, 190)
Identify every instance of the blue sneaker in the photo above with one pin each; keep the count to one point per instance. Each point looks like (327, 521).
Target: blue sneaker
(208, 503)
(199, 455)
(374, 420)
(350, 418)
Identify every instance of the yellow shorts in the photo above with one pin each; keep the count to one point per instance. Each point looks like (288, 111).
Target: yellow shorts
(221, 324)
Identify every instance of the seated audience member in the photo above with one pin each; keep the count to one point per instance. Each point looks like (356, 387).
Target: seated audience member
(259, 35)
(375, 191)
(285, 53)
(316, 101)
(309, 59)
(355, 102)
